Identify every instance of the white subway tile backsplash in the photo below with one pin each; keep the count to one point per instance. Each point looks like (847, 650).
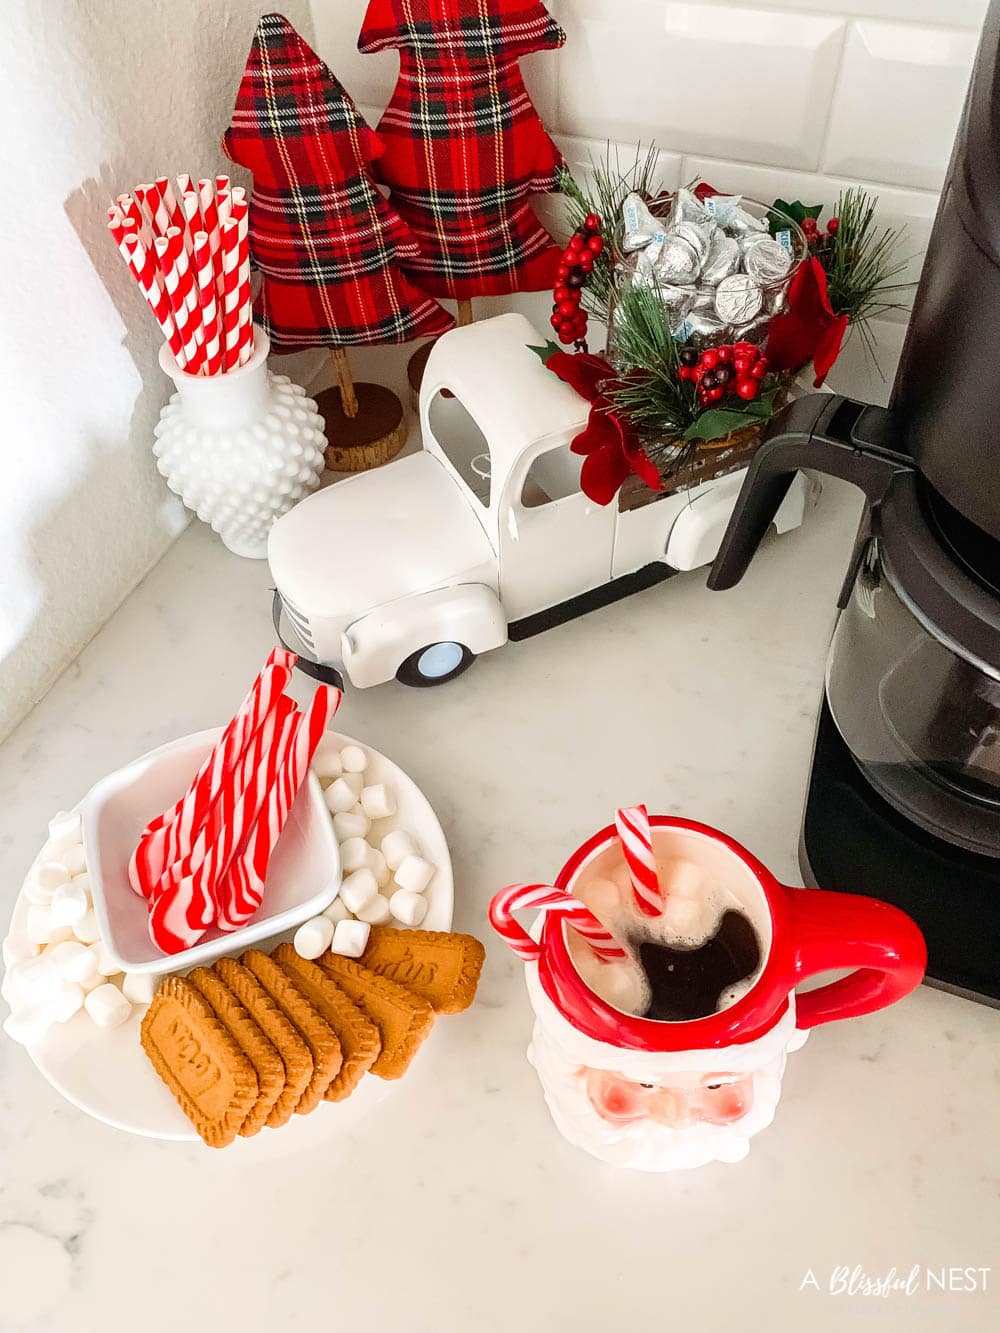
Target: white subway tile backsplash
(898, 101)
(960, 13)
(706, 78)
(911, 209)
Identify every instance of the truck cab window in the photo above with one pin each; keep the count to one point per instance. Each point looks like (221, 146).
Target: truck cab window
(552, 476)
(463, 444)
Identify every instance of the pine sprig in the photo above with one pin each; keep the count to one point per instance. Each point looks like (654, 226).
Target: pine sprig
(861, 261)
(647, 389)
(611, 183)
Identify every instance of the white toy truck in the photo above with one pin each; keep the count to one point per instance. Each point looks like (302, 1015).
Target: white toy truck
(415, 568)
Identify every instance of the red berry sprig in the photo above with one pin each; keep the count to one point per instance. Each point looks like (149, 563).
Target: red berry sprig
(569, 319)
(717, 371)
(812, 232)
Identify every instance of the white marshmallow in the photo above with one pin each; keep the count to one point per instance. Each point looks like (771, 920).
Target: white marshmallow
(38, 924)
(378, 801)
(354, 759)
(681, 879)
(28, 1026)
(74, 961)
(106, 965)
(65, 830)
(50, 874)
(414, 874)
(326, 760)
(340, 796)
(380, 868)
(350, 938)
(73, 859)
(351, 824)
(107, 1006)
(355, 854)
(408, 908)
(358, 889)
(140, 987)
(376, 912)
(397, 846)
(70, 903)
(86, 929)
(18, 949)
(68, 1000)
(36, 894)
(336, 911)
(95, 981)
(313, 937)
(32, 983)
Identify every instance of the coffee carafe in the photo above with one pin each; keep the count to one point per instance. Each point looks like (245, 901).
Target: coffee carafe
(904, 793)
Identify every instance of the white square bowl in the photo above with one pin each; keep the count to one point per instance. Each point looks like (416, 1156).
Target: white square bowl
(303, 876)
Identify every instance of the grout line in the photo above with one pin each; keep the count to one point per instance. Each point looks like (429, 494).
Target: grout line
(901, 20)
(834, 95)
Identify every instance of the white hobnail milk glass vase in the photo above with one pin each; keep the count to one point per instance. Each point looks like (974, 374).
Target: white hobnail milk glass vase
(240, 449)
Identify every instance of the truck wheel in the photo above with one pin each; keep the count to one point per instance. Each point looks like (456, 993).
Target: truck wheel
(435, 664)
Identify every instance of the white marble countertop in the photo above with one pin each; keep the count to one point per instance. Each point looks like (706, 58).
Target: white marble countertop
(454, 1205)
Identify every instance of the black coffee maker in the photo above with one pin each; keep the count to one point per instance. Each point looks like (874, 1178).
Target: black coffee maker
(904, 795)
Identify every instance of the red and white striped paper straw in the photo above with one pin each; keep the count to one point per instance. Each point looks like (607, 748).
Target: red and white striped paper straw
(244, 303)
(208, 298)
(636, 839)
(240, 893)
(230, 292)
(548, 899)
(142, 261)
(179, 282)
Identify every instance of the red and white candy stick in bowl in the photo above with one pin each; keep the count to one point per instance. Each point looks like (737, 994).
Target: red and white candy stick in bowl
(179, 248)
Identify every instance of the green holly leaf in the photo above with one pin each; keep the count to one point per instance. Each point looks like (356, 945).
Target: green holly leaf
(715, 423)
(543, 353)
(719, 421)
(797, 211)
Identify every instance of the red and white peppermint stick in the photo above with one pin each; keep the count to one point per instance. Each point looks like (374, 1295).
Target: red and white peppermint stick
(636, 839)
(230, 230)
(154, 852)
(184, 903)
(179, 282)
(240, 893)
(548, 899)
(205, 274)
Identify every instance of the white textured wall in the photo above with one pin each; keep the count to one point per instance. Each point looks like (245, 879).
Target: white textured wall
(95, 96)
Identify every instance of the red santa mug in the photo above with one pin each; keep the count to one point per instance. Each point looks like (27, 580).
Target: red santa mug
(628, 1072)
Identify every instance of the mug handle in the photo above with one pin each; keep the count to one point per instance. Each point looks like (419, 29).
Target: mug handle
(836, 930)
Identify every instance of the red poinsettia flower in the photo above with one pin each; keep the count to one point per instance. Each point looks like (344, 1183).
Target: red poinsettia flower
(609, 445)
(808, 329)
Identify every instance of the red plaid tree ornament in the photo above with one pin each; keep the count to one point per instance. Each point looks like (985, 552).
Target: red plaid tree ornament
(465, 148)
(332, 253)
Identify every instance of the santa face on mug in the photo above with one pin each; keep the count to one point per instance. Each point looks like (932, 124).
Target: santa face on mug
(685, 1100)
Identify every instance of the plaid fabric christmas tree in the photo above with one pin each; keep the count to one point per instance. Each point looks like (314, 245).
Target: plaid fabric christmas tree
(464, 146)
(331, 251)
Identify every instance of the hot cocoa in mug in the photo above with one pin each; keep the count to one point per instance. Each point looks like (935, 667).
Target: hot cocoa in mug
(664, 1010)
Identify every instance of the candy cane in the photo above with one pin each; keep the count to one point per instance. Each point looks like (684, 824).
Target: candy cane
(636, 839)
(184, 903)
(153, 853)
(549, 899)
(241, 891)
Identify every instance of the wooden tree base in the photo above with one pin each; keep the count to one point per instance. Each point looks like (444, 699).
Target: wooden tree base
(415, 368)
(367, 440)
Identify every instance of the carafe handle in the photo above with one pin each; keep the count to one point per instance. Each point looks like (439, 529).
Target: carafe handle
(836, 930)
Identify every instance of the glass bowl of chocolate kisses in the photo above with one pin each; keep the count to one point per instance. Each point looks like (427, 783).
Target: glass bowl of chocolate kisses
(721, 264)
